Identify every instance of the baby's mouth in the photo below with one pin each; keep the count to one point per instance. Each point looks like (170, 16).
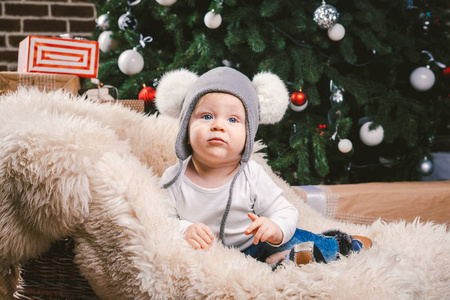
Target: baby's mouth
(216, 140)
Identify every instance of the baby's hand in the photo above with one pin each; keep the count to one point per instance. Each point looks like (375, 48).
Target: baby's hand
(199, 236)
(264, 230)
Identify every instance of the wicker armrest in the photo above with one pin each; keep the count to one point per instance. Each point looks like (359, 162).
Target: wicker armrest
(53, 276)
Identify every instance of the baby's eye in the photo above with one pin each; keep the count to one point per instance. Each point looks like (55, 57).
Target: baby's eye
(207, 117)
(232, 120)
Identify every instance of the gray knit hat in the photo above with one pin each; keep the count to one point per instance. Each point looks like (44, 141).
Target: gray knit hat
(265, 100)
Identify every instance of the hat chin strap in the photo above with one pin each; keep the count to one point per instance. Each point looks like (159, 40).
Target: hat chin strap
(227, 208)
(177, 175)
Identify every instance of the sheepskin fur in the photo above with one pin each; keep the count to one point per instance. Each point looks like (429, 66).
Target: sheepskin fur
(70, 166)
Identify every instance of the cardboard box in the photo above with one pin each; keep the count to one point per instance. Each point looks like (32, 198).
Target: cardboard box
(58, 55)
(10, 81)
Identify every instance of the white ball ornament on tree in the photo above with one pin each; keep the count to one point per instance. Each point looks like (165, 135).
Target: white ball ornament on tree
(166, 2)
(426, 167)
(371, 137)
(105, 41)
(345, 145)
(336, 33)
(131, 62)
(103, 21)
(212, 20)
(422, 79)
(298, 108)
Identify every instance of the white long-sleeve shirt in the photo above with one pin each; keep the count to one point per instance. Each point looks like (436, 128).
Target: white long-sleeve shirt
(254, 191)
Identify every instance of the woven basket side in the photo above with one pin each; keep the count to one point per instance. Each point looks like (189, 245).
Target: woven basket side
(54, 276)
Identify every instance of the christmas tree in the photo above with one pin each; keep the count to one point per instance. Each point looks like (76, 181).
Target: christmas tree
(367, 77)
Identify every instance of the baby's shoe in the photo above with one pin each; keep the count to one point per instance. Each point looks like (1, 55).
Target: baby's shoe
(347, 242)
(361, 242)
(301, 254)
(305, 253)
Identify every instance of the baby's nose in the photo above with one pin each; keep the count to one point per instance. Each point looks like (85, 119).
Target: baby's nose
(217, 126)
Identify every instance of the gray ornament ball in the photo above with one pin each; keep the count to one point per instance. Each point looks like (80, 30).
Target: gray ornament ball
(326, 16)
(426, 167)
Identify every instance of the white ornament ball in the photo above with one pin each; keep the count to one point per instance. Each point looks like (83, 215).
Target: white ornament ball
(131, 62)
(345, 145)
(426, 167)
(103, 21)
(337, 32)
(422, 79)
(371, 137)
(166, 2)
(105, 42)
(212, 20)
(298, 107)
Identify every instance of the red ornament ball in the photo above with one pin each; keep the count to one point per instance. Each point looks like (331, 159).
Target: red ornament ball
(147, 94)
(447, 72)
(298, 98)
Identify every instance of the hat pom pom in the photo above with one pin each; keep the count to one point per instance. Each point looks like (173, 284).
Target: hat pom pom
(273, 97)
(172, 89)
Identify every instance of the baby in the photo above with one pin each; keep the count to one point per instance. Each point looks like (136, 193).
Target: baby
(217, 191)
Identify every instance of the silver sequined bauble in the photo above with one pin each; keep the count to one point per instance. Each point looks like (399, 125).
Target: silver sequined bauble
(326, 16)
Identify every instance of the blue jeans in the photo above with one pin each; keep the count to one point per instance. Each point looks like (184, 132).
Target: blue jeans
(326, 244)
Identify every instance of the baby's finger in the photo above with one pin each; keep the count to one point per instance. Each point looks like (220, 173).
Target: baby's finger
(253, 227)
(204, 236)
(252, 216)
(194, 244)
(259, 235)
(202, 244)
(209, 233)
(266, 235)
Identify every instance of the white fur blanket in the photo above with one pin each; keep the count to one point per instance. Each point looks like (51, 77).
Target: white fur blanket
(70, 166)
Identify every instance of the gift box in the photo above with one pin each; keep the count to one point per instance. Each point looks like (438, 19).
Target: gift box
(10, 81)
(363, 203)
(58, 55)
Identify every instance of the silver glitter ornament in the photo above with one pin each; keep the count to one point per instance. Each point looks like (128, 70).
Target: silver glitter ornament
(326, 15)
(337, 97)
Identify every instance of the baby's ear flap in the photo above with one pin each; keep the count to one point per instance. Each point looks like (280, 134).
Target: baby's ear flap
(273, 97)
(171, 91)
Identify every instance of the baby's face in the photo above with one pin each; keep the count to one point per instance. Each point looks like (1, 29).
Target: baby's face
(217, 129)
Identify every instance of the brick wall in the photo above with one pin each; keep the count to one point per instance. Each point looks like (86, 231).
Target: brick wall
(20, 18)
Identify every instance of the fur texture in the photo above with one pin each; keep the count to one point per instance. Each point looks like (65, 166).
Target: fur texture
(169, 100)
(72, 166)
(273, 97)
